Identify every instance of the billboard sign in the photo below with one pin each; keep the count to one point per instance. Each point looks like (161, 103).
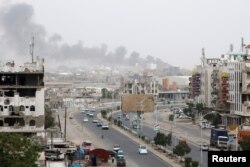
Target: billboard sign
(137, 102)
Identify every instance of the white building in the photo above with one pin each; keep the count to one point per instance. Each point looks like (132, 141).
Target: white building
(141, 85)
(22, 97)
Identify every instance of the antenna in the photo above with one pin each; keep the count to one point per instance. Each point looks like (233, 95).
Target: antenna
(203, 58)
(203, 52)
(242, 44)
(32, 49)
(231, 47)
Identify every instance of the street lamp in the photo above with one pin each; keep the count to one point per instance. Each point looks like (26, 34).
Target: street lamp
(247, 121)
(202, 134)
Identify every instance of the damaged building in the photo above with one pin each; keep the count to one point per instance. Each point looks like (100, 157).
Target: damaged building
(22, 97)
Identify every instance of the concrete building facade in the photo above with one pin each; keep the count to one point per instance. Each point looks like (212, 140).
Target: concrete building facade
(22, 97)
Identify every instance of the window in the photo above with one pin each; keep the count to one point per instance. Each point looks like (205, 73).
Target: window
(32, 123)
(21, 108)
(32, 108)
(1, 108)
(11, 108)
(27, 106)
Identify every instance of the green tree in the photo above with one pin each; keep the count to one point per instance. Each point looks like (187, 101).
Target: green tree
(171, 117)
(186, 111)
(104, 113)
(160, 139)
(188, 161)
(214, 118)
(115, 121)
(169, 139)
(49, 118)
(119, 123)
(199, 107)
(181, 149)
(190, 106)
(195, 163)
(17, 150)
(245, 144)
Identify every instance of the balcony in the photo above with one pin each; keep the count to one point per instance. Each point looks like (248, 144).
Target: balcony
(246, 89)
(245, 111)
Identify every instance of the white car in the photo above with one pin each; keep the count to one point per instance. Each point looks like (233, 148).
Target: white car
(90, 114)
(204, 147)
(116, 147)
(105, 127)
(95, 121)
(85, 119)
(143, 149)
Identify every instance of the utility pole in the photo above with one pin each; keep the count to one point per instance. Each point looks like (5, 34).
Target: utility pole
(65, 123)
(59, 124)
(32, 44)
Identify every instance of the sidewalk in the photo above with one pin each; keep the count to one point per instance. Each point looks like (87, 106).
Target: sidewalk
(165, 126)
(170, 160)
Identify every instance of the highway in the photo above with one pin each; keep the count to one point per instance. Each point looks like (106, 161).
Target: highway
(150, 133)
(112, 137)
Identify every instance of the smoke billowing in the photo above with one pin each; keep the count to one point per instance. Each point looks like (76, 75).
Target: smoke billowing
(17, 28)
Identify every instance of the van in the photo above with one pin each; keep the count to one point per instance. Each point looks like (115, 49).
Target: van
(54, 154)
(204, 124)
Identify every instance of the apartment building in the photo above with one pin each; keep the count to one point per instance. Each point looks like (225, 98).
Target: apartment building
(22, 97)
(141, 84)
(225, 85)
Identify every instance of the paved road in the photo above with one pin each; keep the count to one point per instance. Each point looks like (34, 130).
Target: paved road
(112, 137)
(150, 133)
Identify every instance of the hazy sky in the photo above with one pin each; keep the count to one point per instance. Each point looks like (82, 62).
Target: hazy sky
(172, 30)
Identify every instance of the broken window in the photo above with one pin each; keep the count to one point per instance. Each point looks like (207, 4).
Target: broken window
(32, 108)
(32, 122)
(1, 108)
(14, 121)
(27, 92)
(9, 93)
(7, 79)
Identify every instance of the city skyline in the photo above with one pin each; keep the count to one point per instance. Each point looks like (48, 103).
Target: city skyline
(173, 31)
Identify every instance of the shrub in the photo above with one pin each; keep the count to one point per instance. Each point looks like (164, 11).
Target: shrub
(188, 161)
(195, 163)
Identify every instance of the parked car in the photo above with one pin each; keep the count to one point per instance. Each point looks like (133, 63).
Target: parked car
(184, 117)
(143, 149)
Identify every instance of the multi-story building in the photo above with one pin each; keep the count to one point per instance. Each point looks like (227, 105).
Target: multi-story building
(141, 85)
(195, 83)
(22, 97)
